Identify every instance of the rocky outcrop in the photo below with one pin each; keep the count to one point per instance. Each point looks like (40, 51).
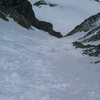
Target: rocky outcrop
(21, 11)
(91, 50)
(42, 2)
(89, 42)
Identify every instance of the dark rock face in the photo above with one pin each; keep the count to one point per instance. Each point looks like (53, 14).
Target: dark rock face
(21, 11)
(42, 2)
(48, 27)
(97, 0)
(39, 3)
(93, 50)
(92, 38)
(87, 25)
(78, 44)
(89, 43)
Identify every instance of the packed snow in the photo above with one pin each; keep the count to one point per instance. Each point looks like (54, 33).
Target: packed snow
(37, 66)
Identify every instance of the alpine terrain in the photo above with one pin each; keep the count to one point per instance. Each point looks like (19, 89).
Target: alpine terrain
(49, 50)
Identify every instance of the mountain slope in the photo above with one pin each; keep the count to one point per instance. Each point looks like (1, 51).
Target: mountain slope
(21, 11)
(37, 66)
(89, 39)
(67, 14)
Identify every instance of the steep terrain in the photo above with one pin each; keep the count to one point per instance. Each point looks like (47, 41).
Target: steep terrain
(90, 36)
(37, 66)
(21, 11)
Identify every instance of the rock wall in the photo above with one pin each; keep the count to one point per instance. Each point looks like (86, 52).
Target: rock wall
(21, 11)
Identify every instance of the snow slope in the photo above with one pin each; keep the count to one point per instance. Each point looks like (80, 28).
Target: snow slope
(37, 66)
(67, 14)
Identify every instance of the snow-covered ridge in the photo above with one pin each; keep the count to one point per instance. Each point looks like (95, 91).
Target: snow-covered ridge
(67, 14)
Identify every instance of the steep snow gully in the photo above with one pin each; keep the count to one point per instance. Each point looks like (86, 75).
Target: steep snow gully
(37, 66)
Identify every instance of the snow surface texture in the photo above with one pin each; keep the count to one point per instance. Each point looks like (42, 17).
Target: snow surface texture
(37, 66)
(68, 13)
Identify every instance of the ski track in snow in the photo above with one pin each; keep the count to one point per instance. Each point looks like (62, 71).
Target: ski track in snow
(37, 66)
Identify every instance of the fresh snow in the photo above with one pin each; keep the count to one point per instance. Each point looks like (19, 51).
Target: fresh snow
(37, 66)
